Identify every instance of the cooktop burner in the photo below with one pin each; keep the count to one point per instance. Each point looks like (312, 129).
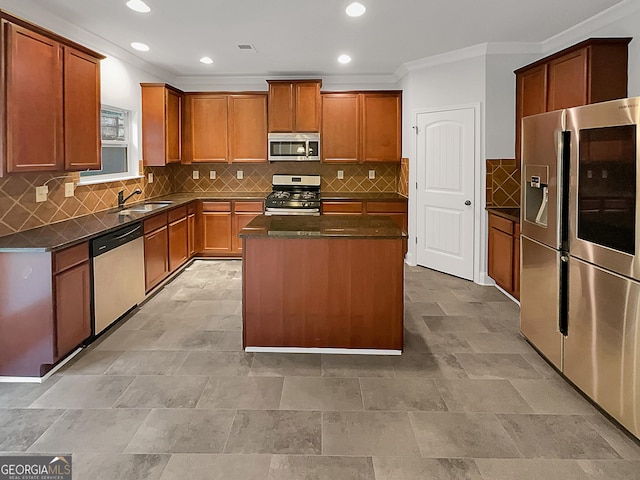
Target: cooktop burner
(294, 195)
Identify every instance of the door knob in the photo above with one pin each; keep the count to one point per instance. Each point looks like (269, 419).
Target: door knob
(468, 202)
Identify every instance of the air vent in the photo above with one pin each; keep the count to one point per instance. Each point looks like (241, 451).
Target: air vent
(246, 47)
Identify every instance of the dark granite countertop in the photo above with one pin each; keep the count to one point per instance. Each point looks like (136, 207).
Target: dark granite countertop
(510, 213)
(323, 226)
(379, 197)
(64, 234)
(56, 236)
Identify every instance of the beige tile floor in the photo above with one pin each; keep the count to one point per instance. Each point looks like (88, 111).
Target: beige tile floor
(169, 394)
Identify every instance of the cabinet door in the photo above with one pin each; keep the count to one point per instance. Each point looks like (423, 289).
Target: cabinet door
(178, 243)
(281, 107)
(516, 262)
(173, 125)
(216, 232)
(307, 107)
(531, 97)
(340, 127)
(34, 122)
(81, 111)
(501, 258)
(156, 251)
(191, 234)
(248, 128)
(73, 310)
(568, 81)
(208, 128)
(381, 125)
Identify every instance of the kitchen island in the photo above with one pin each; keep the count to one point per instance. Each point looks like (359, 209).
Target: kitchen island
(330, 284)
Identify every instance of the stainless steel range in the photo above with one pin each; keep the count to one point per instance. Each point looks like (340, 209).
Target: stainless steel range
(294, 195)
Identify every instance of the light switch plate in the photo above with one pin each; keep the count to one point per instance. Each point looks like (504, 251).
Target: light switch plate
(196, 174)
(239, 174)
(212, 174)
(372, 174)
(69, 189)
(340, 174)
(150, 178)
(41, 193)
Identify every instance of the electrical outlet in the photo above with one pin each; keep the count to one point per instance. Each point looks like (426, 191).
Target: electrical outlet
(41, 193)
(239, 174)
(150, 178)
(372, 174)
(69, 189)
(340, 174)
(212, 174)
(196, 174)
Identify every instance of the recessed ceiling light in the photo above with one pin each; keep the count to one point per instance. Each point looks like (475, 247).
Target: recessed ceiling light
(344, 58)
(355, 9)
(138, 6)
(207, 60)
(143, 47)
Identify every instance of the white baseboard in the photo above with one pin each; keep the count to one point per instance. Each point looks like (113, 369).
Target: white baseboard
(40, 379)
(334, 351)
(513, 299)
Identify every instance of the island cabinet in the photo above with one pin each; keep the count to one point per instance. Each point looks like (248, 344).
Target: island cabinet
(52, 94)
(361, 127)
(294, 105)
(504, 253)
(161, 124)
(589, 72)
(346, 288)
(220, 223)
(45, 308)
(226, 128)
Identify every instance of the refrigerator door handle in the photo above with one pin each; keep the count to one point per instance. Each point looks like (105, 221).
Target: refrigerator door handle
(563, 317)
(543, 206)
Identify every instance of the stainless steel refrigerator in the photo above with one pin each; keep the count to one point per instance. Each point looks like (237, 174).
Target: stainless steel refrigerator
(580, 290)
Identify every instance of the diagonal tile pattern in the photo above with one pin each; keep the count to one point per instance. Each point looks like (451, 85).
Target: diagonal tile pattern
(169, 394)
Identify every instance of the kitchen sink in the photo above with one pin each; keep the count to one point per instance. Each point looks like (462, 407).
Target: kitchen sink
(143, 208)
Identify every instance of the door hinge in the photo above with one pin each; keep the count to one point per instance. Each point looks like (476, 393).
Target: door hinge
(416, 185)
(416, 240)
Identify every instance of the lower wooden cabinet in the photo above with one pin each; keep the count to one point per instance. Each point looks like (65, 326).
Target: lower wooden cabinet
(504, 254)
(178, 231)
(191, 234)
(156, 248)
(221, 221)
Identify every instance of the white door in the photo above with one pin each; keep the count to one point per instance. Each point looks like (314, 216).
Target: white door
(445, 174)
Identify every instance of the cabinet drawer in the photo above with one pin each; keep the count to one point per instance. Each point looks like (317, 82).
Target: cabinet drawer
(253, 207)
(155, 222)
(70, 257)
(501, 224)
(216, 206)
(342, 207)
(386, 207)
(177, 213)
(191, 208)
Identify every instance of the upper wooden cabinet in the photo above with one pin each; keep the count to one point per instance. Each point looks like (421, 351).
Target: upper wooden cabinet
(226, 128)
(161, 124)
(294, 106)
(589, 72)
(52, 94)
(361, 127)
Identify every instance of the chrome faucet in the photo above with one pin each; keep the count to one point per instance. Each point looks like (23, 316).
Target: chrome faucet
(122, 198)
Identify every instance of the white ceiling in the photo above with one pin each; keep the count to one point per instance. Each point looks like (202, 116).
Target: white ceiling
(305, 37)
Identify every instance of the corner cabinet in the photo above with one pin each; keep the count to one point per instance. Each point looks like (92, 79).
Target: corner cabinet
(361, 127)
(294, 105)
(589, 72)
(504, 253)
(52, 93)
(161, 124)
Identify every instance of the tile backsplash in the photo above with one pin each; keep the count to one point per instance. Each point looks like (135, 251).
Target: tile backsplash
(503, 183)
(19, 210)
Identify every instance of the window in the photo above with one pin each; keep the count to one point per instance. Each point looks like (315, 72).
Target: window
(115, 131)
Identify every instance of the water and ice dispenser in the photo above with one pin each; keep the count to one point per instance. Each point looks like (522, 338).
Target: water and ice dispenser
(536, 195)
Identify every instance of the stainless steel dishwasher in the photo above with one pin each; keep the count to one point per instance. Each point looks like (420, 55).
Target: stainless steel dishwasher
(118, 274)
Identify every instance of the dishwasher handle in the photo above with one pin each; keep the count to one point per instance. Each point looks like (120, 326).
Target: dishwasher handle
(111, 240)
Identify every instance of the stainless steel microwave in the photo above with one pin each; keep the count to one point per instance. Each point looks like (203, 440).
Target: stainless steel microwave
(299, 147)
